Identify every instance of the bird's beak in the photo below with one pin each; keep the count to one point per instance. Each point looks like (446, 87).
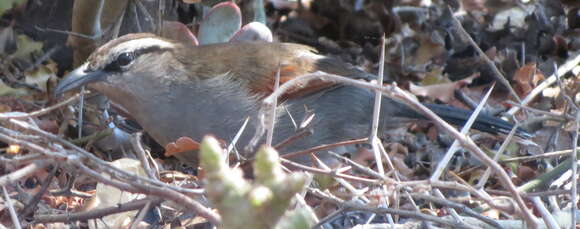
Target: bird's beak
(77, 78)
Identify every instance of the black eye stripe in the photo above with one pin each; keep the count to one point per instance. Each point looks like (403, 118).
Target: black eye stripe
(124, 59)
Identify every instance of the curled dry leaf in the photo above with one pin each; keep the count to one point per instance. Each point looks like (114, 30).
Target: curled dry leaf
(182, 144)
(444, 91)
(526, 79)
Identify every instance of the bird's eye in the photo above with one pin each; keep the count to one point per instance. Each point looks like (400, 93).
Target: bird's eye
(125, 59)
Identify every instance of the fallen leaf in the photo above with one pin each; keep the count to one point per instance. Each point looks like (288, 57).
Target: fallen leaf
(526, 79)
(182, 144)
(41, 75)
(444, 91)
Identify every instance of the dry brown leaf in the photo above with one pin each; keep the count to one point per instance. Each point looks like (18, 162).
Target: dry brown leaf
(183, 144)
(443, 92)
(526, 78)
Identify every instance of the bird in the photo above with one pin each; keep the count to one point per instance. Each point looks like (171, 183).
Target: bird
(175, 90)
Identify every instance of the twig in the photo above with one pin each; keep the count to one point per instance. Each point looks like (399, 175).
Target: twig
(330, 172)
(545, 213)
(498, 75)
(300, 134)
(14, 115)
(452, 211)
(397, 93)
(377, 111)
(358, 166)
(167, 194)
(562, 70)
(477, 152)
(325, 147)
(93, 159)
(530, 194)
(13, 216)
(271, 121)
(560, 117)
(464, 130)
(142, 155)
(539, 156)
(23, 172)
(459, 207)
(574, 155)
(97, 213)
(139, 218)
(381, 210)
(497, 155)
(158, 188)
(31, 205)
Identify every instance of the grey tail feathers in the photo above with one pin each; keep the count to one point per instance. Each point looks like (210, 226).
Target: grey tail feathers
(459, 117)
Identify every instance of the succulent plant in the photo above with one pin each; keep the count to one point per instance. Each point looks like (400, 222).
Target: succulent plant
(222, 23)
(263, 203)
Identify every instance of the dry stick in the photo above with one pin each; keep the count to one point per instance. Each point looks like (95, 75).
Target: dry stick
(455, 146)
(454, 213)
(397, 93)
(478, 153)
(574, 156)
(464, 130)
(325, 147)
(98, 162)
(530, 194)
(80, 121)
(234, 141)
(166, 194)
(300, 134)
(461, 207)
(23, 172)
(271, 121)
(410, 214)
(497, 74)
(559, 117)
(565, 68)
(486, 197)
(355, 192)
(97, 213)
(331, 173)
(11, 210)
(32, 203)
(46, 110)
(358, 166)
(165, 191)
(22, 159)
(545, 213)
(377, 113)
(375, 141)
(139, 218)
(539, 156)
(142, 155)
(499, 152)
(129, 186)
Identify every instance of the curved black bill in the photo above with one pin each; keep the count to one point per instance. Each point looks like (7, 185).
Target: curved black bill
(77, 78)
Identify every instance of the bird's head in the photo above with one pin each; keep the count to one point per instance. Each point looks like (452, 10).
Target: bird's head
(120, 62)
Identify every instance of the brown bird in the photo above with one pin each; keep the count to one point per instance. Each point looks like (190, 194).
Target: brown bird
(175, 90)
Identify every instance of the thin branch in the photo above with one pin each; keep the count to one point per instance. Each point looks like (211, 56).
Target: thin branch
(10, 206)
(497, 74)
(97, 213)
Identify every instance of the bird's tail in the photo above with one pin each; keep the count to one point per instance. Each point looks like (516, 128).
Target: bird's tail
(459, 117)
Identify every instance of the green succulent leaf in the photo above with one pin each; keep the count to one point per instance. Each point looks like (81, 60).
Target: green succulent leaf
(220, 24)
